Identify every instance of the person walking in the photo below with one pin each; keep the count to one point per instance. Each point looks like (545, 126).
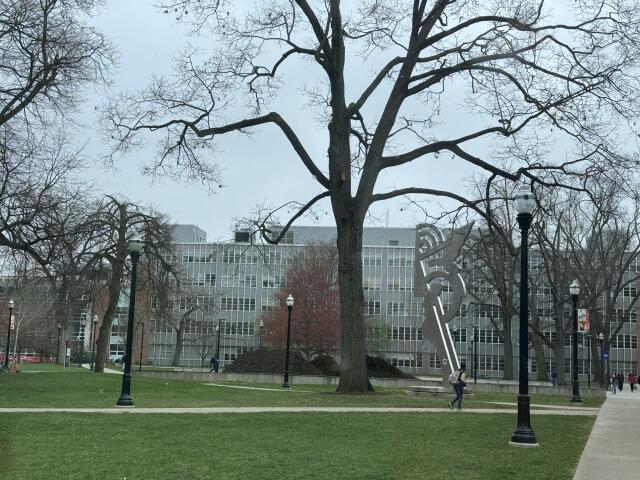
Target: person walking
(213, 364)
(554, 377)
(457, 379)
(632, 381)
(620, 381)
(614, 382)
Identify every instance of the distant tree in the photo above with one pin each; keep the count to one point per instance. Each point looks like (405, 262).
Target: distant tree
(315, 323)
(535, 79)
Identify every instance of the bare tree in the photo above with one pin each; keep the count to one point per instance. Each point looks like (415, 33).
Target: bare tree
(530, 76)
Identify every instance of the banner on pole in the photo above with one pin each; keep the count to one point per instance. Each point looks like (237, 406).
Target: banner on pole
(584, 325)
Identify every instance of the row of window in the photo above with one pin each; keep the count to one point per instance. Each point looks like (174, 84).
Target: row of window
(404, 333)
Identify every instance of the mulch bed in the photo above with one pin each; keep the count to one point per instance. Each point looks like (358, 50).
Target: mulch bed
(272, 361)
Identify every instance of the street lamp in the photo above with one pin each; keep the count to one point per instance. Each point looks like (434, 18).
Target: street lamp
(135, 248)
(93, 339)
(218, 339)
(454, 329)
(6, 352)
(260, 326)
(59, 340)
(602, 382)
(574, 290)
(141, 345)
(474, 341)
(523, 435)
(285, 384)
(81, 338)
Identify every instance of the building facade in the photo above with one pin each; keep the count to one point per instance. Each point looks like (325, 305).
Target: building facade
(231, 284)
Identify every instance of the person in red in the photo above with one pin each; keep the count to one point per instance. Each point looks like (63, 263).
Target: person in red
(632, 381)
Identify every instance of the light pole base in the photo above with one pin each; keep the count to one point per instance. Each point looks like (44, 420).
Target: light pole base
(523, 435)
(286, 385)
(575, 399)
(124, 401)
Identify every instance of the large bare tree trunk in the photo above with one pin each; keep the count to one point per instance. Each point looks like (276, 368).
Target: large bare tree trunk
(353, 369)
(507, 374)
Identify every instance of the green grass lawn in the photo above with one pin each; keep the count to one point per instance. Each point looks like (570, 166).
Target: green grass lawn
(53, 387)
(267, 445)
(285, 446)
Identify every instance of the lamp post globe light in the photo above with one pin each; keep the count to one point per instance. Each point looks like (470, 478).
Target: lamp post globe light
(93, 339)
(10, 304)
(602, 382)
(523, 435)
(289, 302)
(135, 248)
(574, 290)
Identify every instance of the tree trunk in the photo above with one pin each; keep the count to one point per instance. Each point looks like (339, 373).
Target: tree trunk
(507, 374)
(104, 332)
(353, 368)
(538, 346)
(177, 352)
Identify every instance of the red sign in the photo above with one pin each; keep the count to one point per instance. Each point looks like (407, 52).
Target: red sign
(583, 320)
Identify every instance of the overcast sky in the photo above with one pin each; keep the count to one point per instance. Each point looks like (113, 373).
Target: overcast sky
(260, 169)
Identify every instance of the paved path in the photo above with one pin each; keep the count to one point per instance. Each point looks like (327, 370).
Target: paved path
(546, 411)
(612, 449)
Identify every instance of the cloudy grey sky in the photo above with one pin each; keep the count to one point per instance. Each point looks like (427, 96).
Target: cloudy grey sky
(260, 169)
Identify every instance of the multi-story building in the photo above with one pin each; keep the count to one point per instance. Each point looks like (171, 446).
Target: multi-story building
(241, 279)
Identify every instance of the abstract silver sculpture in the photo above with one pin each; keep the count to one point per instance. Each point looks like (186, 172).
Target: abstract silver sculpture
(435, 269)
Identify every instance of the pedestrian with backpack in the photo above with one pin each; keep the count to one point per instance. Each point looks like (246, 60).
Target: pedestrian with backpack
(457, 379)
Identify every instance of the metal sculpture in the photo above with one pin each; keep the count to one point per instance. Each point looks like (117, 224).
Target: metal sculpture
(435, 269)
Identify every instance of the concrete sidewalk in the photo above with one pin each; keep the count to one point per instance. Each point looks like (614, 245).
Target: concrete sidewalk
(612, 448)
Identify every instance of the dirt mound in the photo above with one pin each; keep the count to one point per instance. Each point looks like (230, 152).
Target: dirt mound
(327, 365)
(271, 361)
(379, 368)
(265, 360)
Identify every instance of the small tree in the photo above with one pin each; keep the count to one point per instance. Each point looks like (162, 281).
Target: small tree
(315, 326)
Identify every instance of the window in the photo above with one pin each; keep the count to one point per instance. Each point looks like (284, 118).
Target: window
(268, 304)
(405, 333)
(399, 284)
(400, 259)
(237, 303)
(239, 328)
(372, 259)
(276, 257)
(488, 335)
(275, 281)
(629, 290)
(460, 335)
(248, 281)
(372, 308)
(371, 284)
(206, 279)
(626, 341)
(492, 363)
(396, 308)
(434, 360)
(410, 362)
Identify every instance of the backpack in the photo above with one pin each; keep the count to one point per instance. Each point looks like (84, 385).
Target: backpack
(454, 377)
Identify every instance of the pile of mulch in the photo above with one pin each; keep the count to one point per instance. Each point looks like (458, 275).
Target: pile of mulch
(379, 368)
(271, 361)
(327, 365)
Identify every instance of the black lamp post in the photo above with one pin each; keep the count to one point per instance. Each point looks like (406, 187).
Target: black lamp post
(285, 384)
(523, 435)
(602, 382)
(141, 345)
(59, 340)
(260, 326)
(218, 339)
(574, 290)
(454, 329)
(6, 352)
(81, 338)
(93, 339)
(125, 400)
(475, 353)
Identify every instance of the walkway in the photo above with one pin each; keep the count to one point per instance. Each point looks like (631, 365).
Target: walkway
(545, 411)
(612, 449)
